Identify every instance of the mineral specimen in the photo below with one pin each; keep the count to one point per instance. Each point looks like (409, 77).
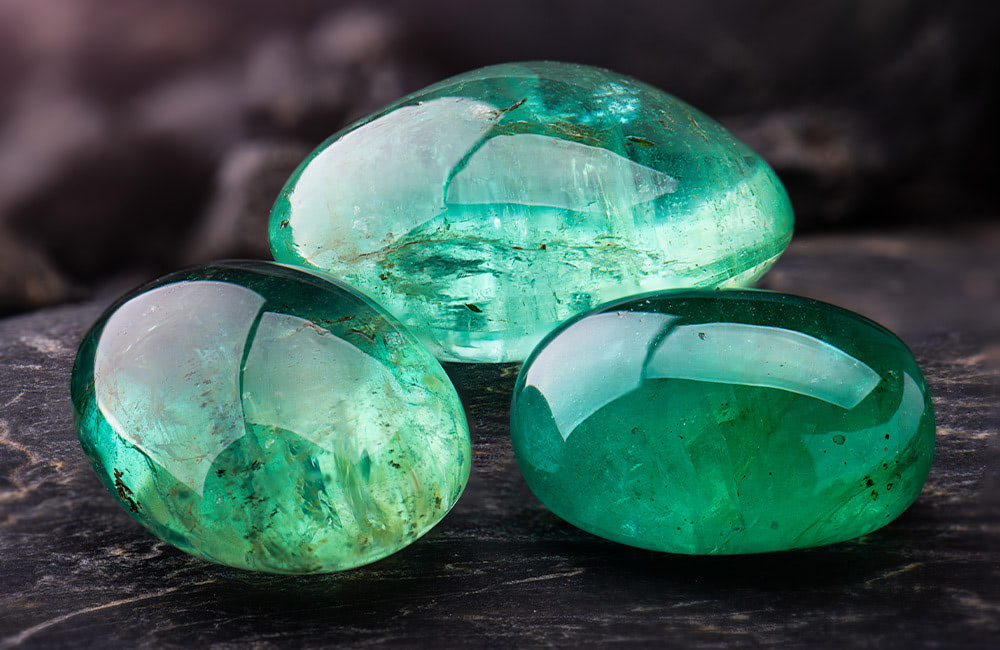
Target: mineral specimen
(266, 418)
(485, 209)
(720, 422)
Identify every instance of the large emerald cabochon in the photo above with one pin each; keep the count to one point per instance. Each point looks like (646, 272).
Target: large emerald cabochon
(263, 417)
(721, 422)
(484, 210)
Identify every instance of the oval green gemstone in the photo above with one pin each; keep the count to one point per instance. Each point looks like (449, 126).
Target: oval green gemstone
(265, 418)
(720, 422)
(484, 210)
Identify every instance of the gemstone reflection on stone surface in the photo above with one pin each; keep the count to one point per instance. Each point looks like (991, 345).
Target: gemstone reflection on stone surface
(266, 418)
(725, 422)
(485, 209)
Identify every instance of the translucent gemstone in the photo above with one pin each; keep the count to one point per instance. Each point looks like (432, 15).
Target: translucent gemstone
(708, 422)
(265, 418)
(485, 209)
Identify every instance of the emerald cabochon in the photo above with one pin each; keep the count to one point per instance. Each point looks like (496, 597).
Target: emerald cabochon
(266, 418)
(485, 209)
(723, 422)
(277, 419)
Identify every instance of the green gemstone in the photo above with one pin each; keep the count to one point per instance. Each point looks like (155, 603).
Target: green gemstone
(484, 210)
(265, 418)
(708, 422)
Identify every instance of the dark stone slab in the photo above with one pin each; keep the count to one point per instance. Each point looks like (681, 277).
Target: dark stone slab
(500, 570)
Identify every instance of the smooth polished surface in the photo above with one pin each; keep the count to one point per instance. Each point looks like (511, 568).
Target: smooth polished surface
(265, 418)
(485, 209)
(706, 422)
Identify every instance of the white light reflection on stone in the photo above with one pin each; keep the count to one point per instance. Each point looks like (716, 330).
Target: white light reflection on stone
(603, 357)
(166, 373)
(757, 355)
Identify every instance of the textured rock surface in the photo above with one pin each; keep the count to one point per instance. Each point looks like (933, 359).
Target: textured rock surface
(487, 208)
(708, 422)
(261, 417)
(500, 569)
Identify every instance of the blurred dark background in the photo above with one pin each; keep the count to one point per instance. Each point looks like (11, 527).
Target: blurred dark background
(137, 137)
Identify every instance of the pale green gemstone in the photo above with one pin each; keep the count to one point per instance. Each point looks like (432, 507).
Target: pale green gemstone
(262, 417)
(487, 208)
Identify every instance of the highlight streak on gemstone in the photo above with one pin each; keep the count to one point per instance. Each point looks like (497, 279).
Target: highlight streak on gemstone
(139, 370)
(577, 385)
(755, 355)
(566, 175)
(728, 353)
(339, 207)
(287, 384)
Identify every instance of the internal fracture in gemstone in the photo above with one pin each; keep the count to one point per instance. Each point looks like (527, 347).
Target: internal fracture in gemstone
(485, 209)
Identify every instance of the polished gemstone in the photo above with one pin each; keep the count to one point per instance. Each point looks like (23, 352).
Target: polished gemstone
(720, 422)
(485, 209)
(263, 417)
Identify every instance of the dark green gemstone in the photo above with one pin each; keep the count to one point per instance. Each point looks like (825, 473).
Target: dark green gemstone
(723, 422)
